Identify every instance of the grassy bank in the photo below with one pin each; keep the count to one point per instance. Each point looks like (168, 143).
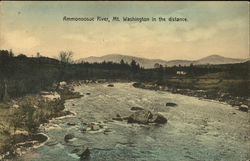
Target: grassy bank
(226, 82)
(209, 86)
(21, 117)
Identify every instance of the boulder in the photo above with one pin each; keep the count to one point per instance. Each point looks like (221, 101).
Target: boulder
(171, 104)
(158, 118)
(71, 123)
(68, 137)
(243, 108)
(140, 117)
(110, 85)
(145, 117)
(136, 108)
(82, 152)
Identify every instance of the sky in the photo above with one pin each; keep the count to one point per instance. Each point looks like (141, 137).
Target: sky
(220, 28)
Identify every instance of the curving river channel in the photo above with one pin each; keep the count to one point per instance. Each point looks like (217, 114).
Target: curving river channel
(197, 130)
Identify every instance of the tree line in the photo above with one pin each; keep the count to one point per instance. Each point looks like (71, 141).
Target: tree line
(20, 75)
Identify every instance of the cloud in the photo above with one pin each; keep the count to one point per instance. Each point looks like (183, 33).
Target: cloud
(20, 40)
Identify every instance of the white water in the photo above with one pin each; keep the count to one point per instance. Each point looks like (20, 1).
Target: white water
(183, 138)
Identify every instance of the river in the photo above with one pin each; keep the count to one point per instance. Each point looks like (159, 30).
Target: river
(197, 130)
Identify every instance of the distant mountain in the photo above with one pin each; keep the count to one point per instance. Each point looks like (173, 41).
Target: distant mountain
(149, 63)
(217, 59)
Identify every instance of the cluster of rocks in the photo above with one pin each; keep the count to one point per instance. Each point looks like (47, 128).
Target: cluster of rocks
(90, 81)
(145, 117)
(142, 116)
(92, 127)
(240, 102)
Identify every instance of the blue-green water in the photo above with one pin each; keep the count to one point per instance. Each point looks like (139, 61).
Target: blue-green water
(223, 136)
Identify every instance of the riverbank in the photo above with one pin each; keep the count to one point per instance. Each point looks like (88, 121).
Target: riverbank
(21, 118)
(242, 103)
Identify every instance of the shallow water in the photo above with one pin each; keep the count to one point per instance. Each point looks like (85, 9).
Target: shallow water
(183, 138)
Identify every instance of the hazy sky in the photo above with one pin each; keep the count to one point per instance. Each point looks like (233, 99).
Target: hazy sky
(213, 28)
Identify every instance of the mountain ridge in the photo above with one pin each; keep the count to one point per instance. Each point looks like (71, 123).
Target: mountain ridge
(149, 63)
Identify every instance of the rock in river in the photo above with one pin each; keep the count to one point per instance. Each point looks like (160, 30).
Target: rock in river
(136, 108)
(82, 152)
(171, 104)
(145, 117)
(68, 137)
(71, 123)
(243, 108)
(110, 85)
(95, 127)
(158, 118)
(92, 127)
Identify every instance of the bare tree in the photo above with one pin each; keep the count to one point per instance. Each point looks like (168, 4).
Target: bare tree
(157, 65)
(66, 56)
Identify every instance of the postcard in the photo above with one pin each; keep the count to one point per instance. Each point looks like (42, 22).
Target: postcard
(124, 81)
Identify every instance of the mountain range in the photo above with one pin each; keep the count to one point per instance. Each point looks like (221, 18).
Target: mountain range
(150, 63)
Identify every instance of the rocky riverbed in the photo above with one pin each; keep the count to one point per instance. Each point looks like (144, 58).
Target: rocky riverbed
(195, 129)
